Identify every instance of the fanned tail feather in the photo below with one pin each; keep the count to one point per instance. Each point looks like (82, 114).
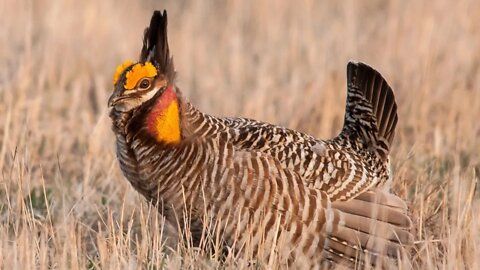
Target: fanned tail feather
(371, 111)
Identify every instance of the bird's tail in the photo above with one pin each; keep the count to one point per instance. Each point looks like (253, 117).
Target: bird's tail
(369, 230)
(371, 112)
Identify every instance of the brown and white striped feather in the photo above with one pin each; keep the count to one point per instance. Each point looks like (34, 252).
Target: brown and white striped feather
(353, 162)
(251, 191)
(331, 166)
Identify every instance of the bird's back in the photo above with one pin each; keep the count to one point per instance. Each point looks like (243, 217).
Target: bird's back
(345, 166)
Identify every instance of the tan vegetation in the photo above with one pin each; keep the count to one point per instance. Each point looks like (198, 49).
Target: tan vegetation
(63, 201)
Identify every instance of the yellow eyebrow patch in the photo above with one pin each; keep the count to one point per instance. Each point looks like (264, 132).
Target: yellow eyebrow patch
(138, 72)
(119, 70)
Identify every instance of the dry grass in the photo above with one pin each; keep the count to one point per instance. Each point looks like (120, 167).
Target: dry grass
(63, 200)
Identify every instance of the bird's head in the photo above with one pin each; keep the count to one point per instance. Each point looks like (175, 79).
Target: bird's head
(135, 83)
(147, 86)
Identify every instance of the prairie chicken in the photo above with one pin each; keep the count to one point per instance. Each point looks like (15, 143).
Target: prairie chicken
(311, 202)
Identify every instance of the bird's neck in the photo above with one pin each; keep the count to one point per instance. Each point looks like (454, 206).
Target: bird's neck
(163, 120)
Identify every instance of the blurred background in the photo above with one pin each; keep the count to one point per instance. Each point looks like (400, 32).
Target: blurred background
(63, 199)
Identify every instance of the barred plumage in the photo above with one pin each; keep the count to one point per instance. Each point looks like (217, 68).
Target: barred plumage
(310, 200)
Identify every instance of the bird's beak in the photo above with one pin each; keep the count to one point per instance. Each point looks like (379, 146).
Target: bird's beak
(114, 98)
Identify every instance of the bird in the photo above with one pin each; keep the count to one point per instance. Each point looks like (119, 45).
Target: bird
(269, 191)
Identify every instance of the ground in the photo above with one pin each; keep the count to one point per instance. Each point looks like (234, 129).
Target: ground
(63, 200)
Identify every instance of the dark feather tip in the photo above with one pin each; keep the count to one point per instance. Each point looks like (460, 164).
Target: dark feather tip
(155, 44)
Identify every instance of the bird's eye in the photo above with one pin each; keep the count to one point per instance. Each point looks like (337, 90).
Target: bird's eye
(144, 84)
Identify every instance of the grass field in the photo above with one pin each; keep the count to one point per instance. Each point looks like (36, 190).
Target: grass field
(64, 203)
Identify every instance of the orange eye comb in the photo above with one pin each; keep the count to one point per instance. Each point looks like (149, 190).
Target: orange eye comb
(138, 72)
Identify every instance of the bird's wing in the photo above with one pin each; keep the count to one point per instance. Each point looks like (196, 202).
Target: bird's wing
(339, 171)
